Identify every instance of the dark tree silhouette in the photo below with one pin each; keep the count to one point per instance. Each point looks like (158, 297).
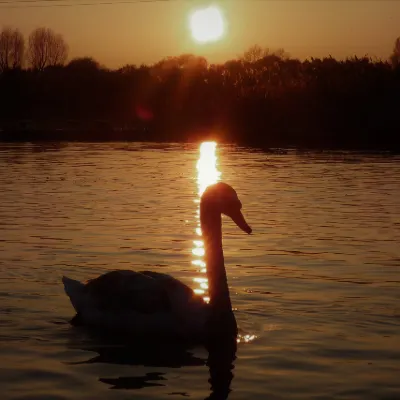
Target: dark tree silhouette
(256, 53)
(46, 49)
(83, 65)
(12, 48)
(395, 56)
(265, 99)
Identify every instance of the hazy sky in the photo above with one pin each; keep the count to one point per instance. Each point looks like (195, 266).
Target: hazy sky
(144, 32)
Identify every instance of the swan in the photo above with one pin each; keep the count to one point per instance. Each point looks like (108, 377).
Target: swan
(150, 303)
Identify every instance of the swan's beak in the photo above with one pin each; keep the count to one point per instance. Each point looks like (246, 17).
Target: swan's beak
(239, 220)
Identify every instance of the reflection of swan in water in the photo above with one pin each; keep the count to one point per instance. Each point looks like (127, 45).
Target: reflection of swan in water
(221, 355)
(152, 354)
(153, 303)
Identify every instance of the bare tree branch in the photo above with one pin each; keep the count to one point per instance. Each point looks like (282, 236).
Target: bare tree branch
(46, 48)
(12, 45)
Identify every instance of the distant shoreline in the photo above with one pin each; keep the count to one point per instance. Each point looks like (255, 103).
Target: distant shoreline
(274, 144)
(266, 101)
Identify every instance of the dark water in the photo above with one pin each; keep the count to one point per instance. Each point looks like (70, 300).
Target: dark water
(316, 288)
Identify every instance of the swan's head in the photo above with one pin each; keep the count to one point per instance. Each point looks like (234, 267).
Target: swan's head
(223, 199)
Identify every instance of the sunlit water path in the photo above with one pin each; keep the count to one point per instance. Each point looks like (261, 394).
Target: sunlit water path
(207, 174)
(315, 288)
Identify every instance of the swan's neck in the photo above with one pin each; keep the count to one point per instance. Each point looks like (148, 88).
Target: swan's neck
(217, 281)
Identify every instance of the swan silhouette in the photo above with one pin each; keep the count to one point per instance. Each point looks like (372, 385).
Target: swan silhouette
(151, 303)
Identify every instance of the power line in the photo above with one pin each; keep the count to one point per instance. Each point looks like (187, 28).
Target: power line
(22, 4)
(7, 4)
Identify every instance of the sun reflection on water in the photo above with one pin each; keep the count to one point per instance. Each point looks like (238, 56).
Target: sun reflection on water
(207, 171)
(245, 338)
(207, 174)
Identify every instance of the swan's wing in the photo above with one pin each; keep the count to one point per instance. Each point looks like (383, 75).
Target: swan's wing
(128, 290)
(190, 310)
(76, 292)
(179, 294)
(144, 303)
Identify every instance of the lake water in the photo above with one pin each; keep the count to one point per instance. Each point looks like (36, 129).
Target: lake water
(315, 288)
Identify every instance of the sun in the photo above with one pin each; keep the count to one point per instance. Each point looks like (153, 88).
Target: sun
(207, 24)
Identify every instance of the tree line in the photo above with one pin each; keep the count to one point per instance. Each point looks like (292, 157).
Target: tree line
(45, 49)
(263, 98)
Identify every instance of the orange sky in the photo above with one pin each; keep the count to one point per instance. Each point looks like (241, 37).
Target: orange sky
(144, 32)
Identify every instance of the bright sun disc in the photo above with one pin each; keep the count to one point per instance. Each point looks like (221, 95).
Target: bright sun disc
(207, 24)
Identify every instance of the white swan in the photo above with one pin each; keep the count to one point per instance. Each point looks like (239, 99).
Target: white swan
(153, 303)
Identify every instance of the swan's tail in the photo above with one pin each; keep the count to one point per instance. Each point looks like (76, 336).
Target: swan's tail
(75, 290)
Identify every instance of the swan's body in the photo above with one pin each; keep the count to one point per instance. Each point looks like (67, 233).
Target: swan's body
(154, 303)
(140, 302)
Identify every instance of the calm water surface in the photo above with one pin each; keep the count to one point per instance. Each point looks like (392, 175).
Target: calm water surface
(316, 287)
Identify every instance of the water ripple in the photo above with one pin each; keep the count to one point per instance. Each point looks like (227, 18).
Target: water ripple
(317, 283)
